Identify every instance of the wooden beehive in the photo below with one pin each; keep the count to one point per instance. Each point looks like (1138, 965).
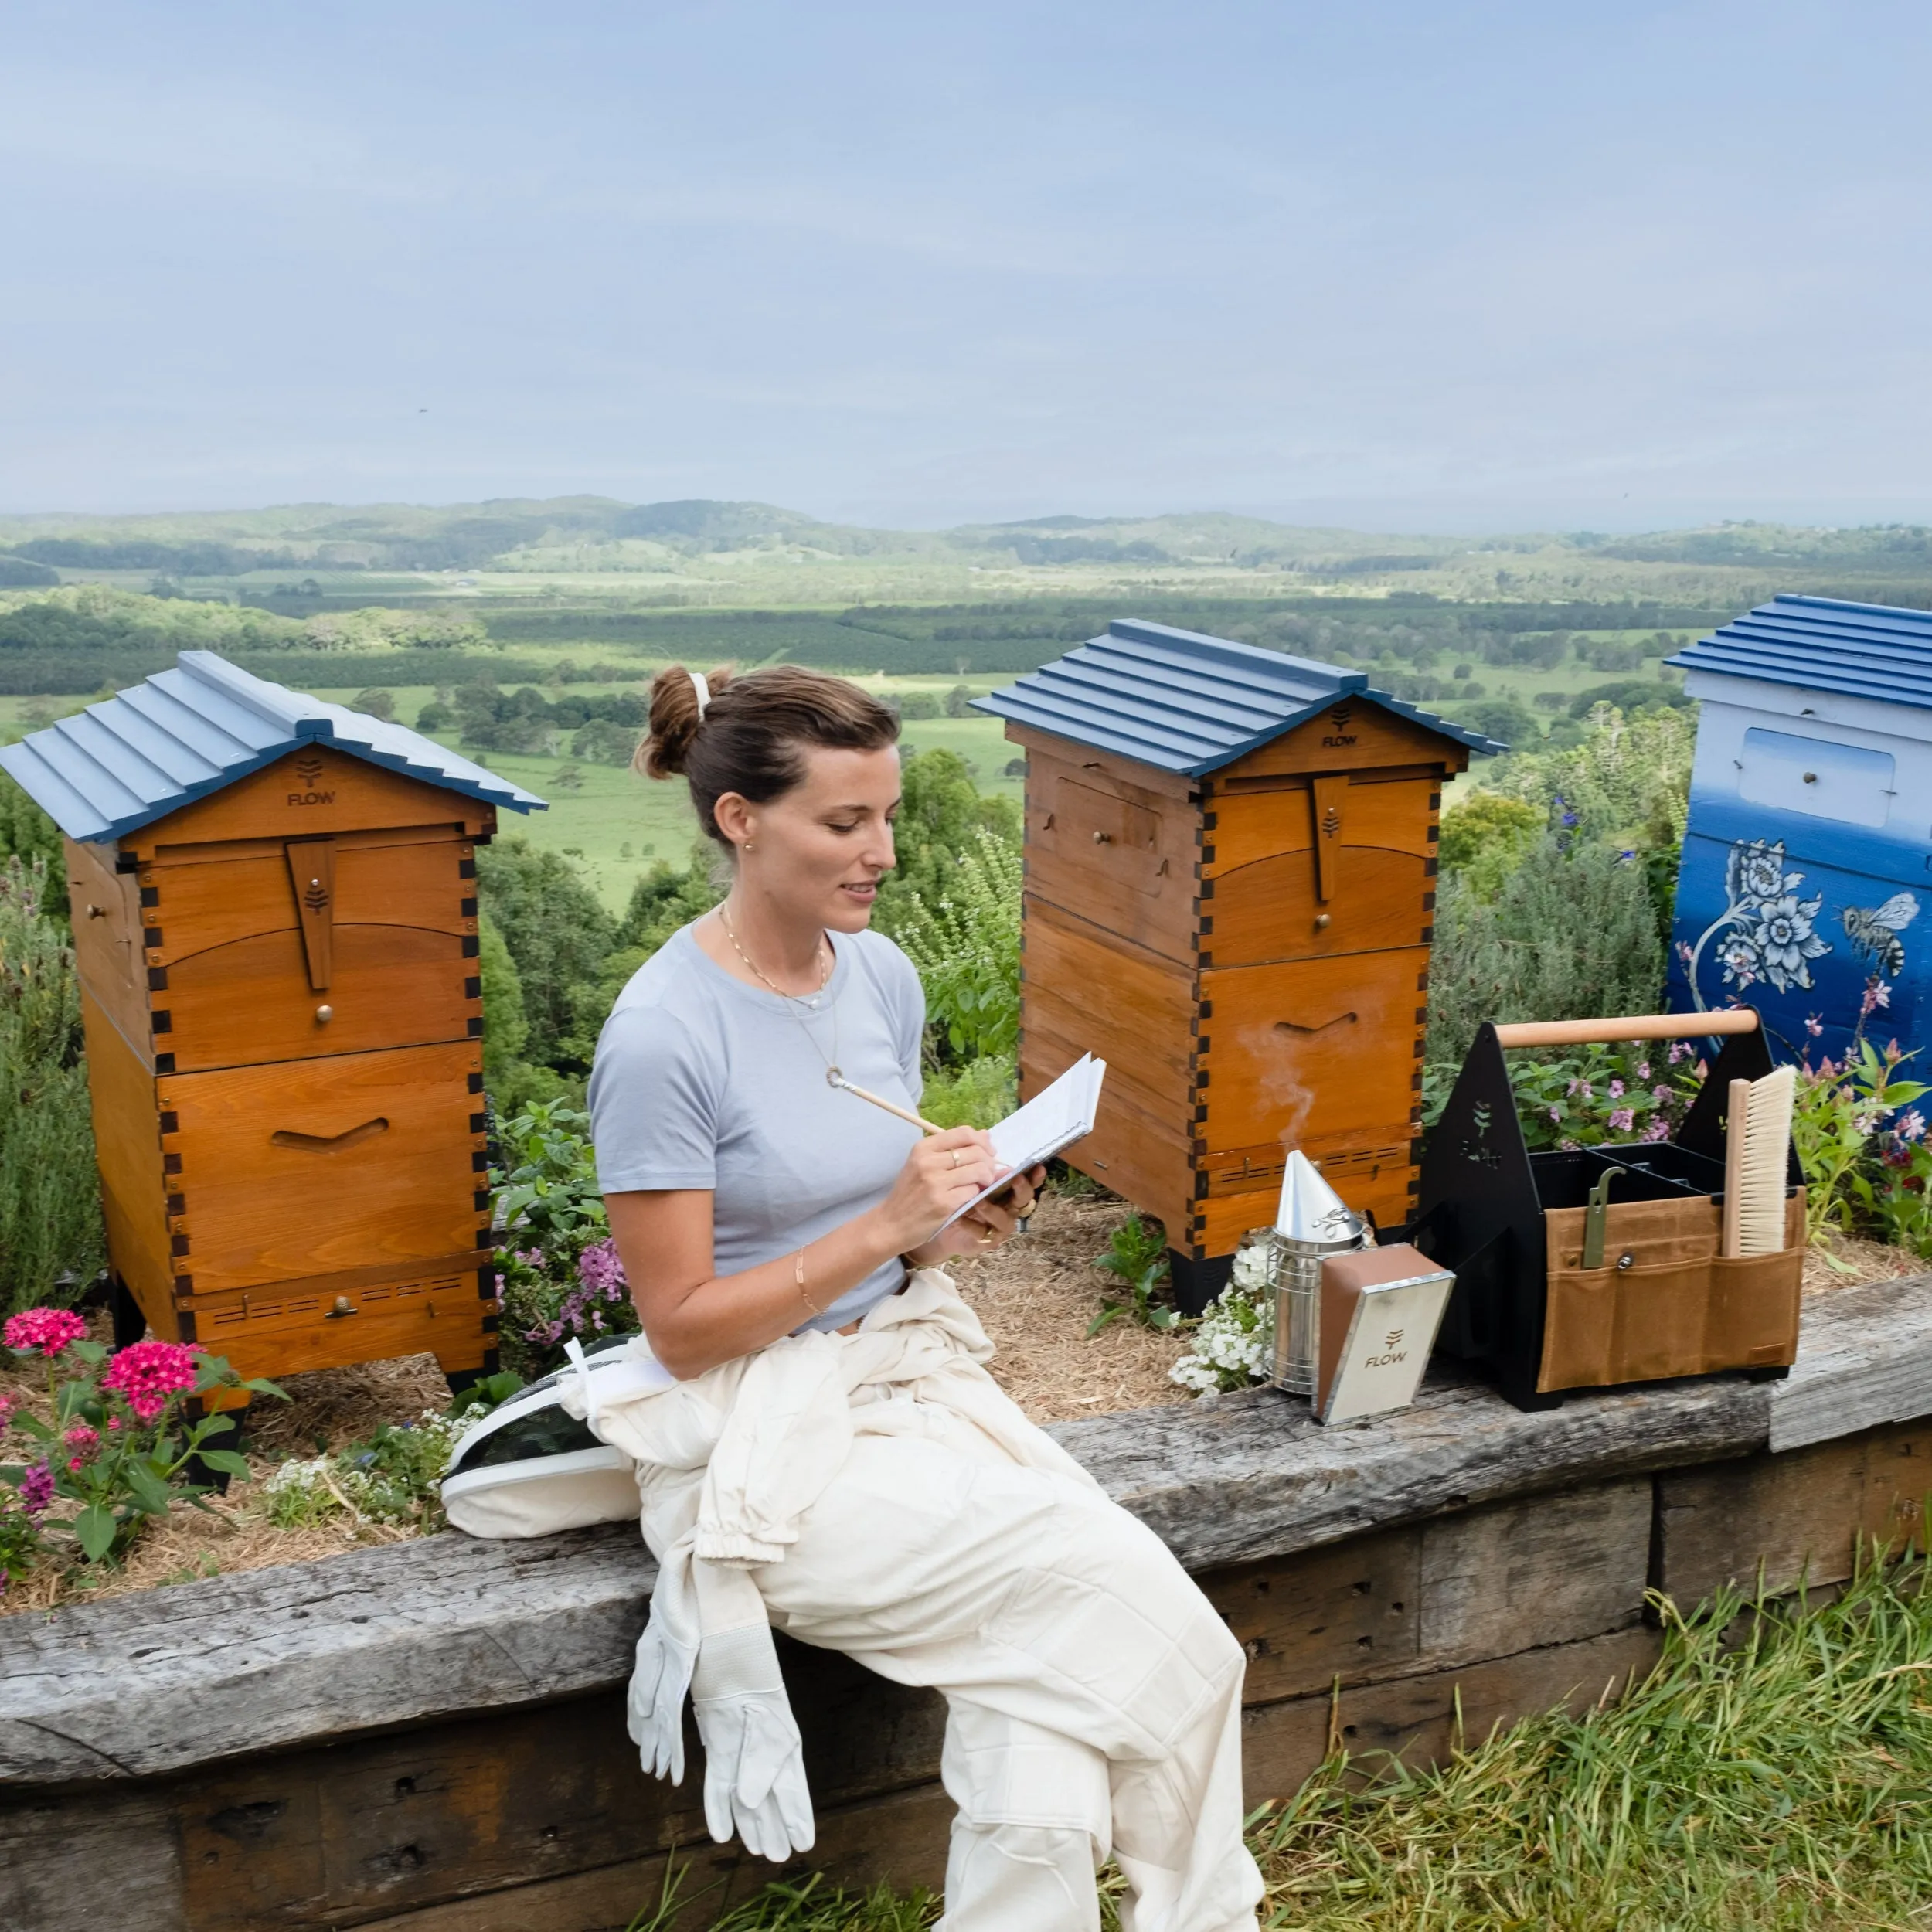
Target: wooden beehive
(275, 919)
(1230, 885)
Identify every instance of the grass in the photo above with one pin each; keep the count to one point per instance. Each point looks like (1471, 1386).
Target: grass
(1774, 1771)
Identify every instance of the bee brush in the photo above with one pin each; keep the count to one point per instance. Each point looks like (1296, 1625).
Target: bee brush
(1757, 1139)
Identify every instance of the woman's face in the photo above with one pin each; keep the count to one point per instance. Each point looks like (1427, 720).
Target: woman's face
(819, 850)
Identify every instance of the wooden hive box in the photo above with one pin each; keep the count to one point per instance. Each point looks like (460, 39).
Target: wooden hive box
(1229, 895)
(275, 920)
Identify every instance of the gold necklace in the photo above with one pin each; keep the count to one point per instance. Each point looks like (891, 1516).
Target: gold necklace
(794, 1000)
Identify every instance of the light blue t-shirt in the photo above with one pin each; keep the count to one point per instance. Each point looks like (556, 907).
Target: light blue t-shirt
(701, 1081)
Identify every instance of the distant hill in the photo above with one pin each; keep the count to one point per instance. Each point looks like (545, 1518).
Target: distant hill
(601, 534)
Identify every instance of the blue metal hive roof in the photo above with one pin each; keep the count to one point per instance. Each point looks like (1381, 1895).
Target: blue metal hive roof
(182, 733)
(1185, 702)
(1862, 650)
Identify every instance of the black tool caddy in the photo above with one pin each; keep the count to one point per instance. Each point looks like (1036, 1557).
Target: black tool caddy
(1596, 1267)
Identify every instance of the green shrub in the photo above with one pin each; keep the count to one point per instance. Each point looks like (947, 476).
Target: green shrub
(52, 1240)
(1572, 935)
(941, 811)
(1485, 837)
(555, 930)
(976, 1094)
(965, 942)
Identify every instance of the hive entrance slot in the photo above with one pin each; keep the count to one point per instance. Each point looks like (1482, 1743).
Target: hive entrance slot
(328, 1143)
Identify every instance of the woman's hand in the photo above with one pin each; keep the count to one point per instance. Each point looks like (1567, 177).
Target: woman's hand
(984, 1228)
(943, 1172)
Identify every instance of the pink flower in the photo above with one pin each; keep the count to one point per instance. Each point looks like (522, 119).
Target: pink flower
(1557, 1115)
(1660, 1094)
(1911, 1126)
(36, 1489)
(1582, 1086)
(1815, 1025)
(50, 1330)
(6, 1413)
(1657, 1131)
(1678, 1051)
(1622, 1120)
(83, 1442)
(147, 1373)
(598, 1267)
(113, 1422)
(1616, 1090)
(1643, 1070)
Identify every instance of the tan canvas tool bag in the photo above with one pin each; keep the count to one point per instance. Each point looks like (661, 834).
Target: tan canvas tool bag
(1590, 1267)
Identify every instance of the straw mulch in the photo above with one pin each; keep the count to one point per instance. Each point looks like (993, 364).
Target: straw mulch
(1037, 1296)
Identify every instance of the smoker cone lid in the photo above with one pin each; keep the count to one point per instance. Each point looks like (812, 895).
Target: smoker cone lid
(1310, 1209)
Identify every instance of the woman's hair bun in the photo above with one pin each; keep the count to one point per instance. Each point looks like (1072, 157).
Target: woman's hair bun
(666, 750)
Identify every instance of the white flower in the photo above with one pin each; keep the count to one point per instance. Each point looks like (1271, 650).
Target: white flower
(1233, 1347)
(1756, 872)
(1253, 1265)
(1742, 962)
(1786, 940)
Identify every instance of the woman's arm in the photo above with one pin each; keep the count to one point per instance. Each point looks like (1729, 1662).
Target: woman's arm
(696, 1319)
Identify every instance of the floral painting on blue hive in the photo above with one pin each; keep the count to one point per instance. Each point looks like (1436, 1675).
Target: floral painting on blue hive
(1809, 844)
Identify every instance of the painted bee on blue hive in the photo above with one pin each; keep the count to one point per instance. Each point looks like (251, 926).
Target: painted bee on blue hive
(1874, 931)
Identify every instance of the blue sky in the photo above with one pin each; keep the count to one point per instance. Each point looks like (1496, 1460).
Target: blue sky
(1449, 266)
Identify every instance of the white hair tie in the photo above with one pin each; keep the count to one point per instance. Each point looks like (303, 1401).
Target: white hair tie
(704, 693)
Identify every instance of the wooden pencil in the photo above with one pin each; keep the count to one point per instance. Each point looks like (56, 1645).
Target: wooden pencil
(891, 1107)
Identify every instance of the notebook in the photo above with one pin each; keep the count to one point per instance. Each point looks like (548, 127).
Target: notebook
(1048, 1122)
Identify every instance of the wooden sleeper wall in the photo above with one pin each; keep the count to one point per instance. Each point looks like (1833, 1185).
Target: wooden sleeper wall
(540, 1820)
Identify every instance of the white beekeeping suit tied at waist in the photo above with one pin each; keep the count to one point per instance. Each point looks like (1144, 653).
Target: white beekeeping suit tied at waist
(877, 1494)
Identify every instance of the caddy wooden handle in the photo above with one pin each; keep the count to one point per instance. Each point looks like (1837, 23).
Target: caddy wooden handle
(1607, 1032)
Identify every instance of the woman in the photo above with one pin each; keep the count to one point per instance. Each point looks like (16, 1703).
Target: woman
(832, 1457)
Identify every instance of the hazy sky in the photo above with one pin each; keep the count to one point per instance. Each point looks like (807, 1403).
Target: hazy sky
(1434, 265)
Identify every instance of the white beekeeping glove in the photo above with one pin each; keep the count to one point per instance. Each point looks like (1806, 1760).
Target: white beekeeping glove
(654, 1708)
(754, 1776)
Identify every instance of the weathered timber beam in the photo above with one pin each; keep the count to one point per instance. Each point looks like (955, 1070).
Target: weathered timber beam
(271, 1659)
(1865, 1358)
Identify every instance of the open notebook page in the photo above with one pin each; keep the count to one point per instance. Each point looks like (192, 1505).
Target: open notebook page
(1047, 1123)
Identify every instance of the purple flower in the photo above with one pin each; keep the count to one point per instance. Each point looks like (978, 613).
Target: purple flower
(1623, 1119)
(1643, 1069)
(1660, 1095)
(598, 1267)
(1657, 1131)
(36, 1489)
(1557, 1115)
(1616, 1090)
(1678, 1051)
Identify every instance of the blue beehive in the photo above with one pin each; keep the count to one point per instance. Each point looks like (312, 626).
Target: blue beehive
(1810, 841)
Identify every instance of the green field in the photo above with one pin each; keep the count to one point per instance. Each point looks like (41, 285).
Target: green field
(616, 824)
